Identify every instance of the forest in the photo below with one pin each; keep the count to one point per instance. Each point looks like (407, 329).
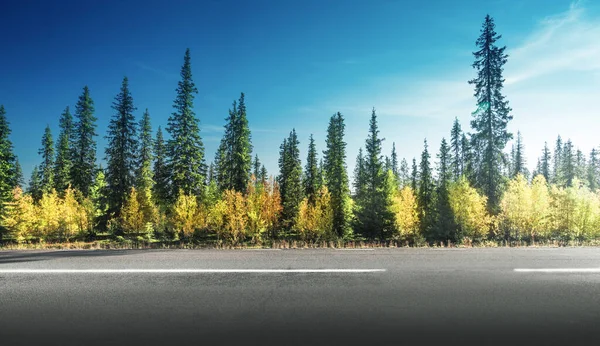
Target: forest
(164, 188)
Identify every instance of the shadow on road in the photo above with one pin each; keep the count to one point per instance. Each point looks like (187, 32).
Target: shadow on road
(32, 256)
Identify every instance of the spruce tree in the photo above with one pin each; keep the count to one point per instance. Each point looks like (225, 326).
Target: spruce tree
(185, 150)
(580, 165)
(394, 163)
(445, 226)
(7, 161)
(468, 156)
(456, 150)
(404, 175)
(557, 175)
(374, 216)
(143, 176)
(493, 114)
(414, 176)
(425, 194)
(242, 148)
(545, 163)
(360, 184)
(592, 171)
(19, 179)
(35, 184)
(567, 167)
(83, 168)
(47, 165)
(311, 173)
(63, 163)
(121, 151)
(519, 162)
(336, 175)
(290, 179)
(256, 168)
(160, 172)
(263, 174)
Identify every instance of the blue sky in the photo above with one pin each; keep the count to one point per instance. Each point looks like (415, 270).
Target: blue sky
(299, 62)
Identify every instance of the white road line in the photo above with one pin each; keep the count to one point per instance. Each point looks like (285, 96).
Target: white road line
(181, 271)
(355, 249)
(557, 270)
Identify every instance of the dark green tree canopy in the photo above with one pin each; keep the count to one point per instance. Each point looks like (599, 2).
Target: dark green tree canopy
(83, 169)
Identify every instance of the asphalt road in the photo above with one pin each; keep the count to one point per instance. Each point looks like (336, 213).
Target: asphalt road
(422, 297)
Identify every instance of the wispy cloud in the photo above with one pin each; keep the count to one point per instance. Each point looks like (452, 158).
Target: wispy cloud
(160, 72)
(564, 42)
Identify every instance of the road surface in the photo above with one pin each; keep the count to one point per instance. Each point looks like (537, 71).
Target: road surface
(528, 296)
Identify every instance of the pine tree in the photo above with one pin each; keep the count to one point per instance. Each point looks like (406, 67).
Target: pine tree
(592, 171)
(557, 175)
(160, 172)
(468, 160)
(47, 165)
(263, 174)
(143, 177)
(456, 150)
(425, 195)
(374, 216)
(121, 152)
(519, 162)
(83, 168)
(545, 162)
(256, 168)
(567, 167)
(242, 148)
(336, 175)
(414, 176)
(290, 179)
(445, 227)
(19, 179)
(35, 184)
(311, 173)
(493, 114)
(185, 150)
(394, 163)
(63, 163)
(7, 161)
(580, 165)
(404, 175)
(360, 185)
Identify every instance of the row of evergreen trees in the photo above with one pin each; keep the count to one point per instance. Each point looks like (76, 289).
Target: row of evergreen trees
(165, 177)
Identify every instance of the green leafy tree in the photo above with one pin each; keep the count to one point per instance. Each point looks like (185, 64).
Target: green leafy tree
(336, 175)
(160, 172)
(63, 163)
(290, 179)
(493, 115)
(84, 144)
(121, 150)
(185, 150)
(374, 214)
(311, 173)
(47, 165)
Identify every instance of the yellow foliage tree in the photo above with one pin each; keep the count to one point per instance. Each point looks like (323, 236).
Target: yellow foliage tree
(185, 216)
(132, 220)
(469, 209)
(515, 207)
(75, 217)
(20, 215)
(407, 217)
(49, 214)
(315, 221)
(236, 217)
